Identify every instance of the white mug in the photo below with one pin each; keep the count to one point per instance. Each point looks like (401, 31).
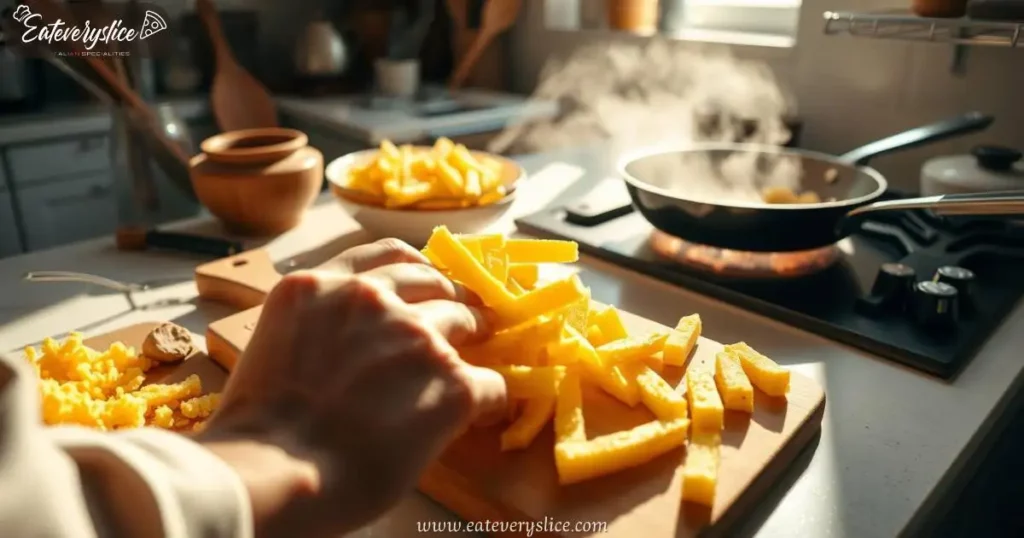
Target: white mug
(397, 78)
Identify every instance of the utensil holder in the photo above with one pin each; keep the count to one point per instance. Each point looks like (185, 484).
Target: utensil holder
(147, 196)
(397, 78)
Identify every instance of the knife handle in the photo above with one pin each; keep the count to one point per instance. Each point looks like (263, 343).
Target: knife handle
(140, 239)
(193, 243)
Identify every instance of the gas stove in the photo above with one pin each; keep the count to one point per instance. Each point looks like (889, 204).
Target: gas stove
(913, 287)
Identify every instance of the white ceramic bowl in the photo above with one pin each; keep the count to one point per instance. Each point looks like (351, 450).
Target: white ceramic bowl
(412, 225)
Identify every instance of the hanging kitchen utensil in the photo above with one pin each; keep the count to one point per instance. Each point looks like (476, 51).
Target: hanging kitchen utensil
(458, 10)
(498, 16)
(238, 100)
(711, 193)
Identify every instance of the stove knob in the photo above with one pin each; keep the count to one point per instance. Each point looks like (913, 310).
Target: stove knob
(893, 286)
(934, 305)
(961, 279)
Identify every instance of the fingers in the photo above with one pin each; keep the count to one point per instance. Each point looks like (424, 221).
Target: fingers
(457, 322)
(415, 283)
(488, 393)
(377, 254)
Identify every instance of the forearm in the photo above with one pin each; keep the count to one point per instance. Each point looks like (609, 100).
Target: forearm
(77, 482)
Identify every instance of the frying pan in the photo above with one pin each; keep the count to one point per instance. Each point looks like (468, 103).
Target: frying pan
(711, 193)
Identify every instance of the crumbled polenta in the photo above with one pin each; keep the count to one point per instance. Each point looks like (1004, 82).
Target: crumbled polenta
(103, 389)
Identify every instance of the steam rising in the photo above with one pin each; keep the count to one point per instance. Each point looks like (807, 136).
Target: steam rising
(651, 95)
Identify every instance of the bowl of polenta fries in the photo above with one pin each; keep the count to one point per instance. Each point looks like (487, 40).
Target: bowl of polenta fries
(405, 191)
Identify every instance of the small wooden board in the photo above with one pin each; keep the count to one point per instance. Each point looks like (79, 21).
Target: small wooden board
(477, 481)
(211, 374)
(242, 280)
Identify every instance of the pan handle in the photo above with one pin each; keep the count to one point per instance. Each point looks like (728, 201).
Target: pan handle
(990, 203)
(926, 134)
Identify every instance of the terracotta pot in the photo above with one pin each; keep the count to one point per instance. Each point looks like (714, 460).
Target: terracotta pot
(258, 181)
(637, 16)
(939, 8)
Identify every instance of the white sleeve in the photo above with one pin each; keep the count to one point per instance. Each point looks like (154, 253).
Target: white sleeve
(64, 482)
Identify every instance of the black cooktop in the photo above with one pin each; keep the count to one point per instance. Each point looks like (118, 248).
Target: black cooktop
(974, 269)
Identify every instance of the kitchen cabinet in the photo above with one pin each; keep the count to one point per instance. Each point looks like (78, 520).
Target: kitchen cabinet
(10, 244)
(200, 130)
(60, 212)
(69, 157)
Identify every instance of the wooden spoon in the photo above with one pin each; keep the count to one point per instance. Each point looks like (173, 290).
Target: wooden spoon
(498, 16)
(238, 100)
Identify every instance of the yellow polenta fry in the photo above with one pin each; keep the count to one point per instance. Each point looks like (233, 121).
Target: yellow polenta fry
(521, 344)
(595, 336)
(569, 425)
(700, 470)
(542, 251)
(631, 349)
(682, 340)
(442, 147)
(655, 362)
(733, 386)
(492, 248)
(565, 350)
(531, 381)
(536, 413)
(463, 267)
(389, 150)
(526, 274)
(476, 251)
(582, 460)
(472, 184)
(554, 296)
(610, 323)
(434, 260)
(706, 408)
(576, 313)
(763, 372)
(618, 381)
(491, 196)
(658, 396)
(514, 287)
(451, 178)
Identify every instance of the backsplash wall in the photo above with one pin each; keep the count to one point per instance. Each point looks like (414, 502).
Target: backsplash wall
(848, 91)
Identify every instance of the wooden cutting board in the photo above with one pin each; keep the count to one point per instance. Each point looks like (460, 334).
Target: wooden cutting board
(199, 363)
(477, 481)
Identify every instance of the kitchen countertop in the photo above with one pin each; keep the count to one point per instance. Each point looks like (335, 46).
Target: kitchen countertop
(349, 115)
(79, 119)
(342, 114)
(892, 441)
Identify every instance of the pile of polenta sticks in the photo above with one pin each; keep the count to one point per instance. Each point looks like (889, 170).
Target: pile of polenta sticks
(550, 339)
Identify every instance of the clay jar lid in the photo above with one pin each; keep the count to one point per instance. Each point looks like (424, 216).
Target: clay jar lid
(252, 146)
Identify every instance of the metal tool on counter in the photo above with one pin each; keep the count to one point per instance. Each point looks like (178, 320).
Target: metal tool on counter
(129, 238)
(125, 288)
(86, 278)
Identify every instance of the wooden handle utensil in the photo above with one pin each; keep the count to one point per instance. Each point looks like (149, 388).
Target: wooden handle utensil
(238, 100)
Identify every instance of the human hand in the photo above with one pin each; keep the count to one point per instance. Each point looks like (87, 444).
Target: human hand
(349, 387)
